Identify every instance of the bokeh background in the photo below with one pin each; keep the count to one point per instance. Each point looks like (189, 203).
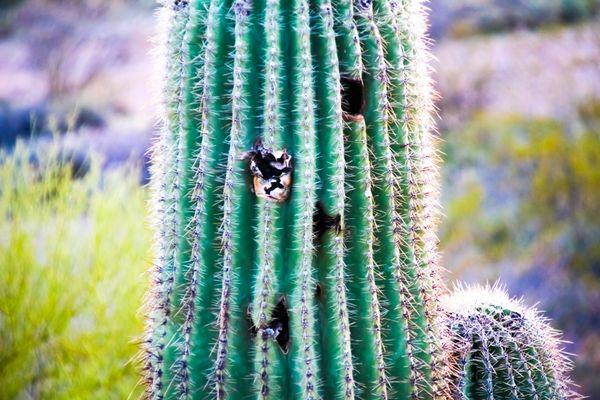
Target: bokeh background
(519, 118)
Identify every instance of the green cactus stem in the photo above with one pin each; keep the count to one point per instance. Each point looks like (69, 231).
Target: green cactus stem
(294, 202)
(504, 350)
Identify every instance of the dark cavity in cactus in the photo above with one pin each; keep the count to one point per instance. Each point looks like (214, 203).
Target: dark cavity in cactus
(295, 205)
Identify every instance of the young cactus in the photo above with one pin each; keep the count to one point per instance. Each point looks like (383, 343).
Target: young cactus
(295, 204)
(504, 350)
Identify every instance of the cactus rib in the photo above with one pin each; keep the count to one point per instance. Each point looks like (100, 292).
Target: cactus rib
(338, 369)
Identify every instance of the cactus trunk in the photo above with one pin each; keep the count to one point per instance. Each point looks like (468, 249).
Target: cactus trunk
(319, 281)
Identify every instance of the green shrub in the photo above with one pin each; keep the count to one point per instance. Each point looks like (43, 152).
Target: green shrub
(72, 257)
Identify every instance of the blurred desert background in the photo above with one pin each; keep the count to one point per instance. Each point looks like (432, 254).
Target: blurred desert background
(519, 120)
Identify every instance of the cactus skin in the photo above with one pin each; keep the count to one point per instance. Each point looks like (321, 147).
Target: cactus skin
(504, 350)
(359, 283)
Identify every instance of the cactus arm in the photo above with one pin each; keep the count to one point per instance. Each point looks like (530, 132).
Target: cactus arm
(337, 366)
(349, 53)
(237, 249)
(516, 353)
(205, 222)
(370, 365)
(303, 308)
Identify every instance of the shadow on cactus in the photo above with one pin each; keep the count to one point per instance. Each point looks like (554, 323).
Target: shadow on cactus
(295, 205)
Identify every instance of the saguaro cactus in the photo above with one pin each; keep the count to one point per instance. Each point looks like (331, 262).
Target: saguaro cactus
(295, 211)
(295, 203)
(504, 350)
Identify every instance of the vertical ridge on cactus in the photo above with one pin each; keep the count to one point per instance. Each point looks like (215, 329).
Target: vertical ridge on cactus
(370, 367)
(167, 173)
(398, 325)
(237, 250)
(295, 206)
(301, 285)
(418, 156)
(203, 225)
(338, 369)
(270, 219)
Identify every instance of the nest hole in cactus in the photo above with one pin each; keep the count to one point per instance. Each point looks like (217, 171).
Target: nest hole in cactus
(353, 100)
(318, 291)
(322, 222)
(271, 171)
(278, 327)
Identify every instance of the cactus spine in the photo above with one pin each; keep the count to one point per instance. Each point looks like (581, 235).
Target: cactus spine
(503, 349)
(294, 200)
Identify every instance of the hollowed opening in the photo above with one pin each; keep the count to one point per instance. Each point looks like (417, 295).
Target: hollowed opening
(278, 327)
(180, 4)
(322, 222)
(318, 291)
(271, 172)
(280, 319)
(353, 100)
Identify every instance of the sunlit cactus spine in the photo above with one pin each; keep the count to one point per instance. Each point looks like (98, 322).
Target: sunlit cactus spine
(504, 350)
(295, 204)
